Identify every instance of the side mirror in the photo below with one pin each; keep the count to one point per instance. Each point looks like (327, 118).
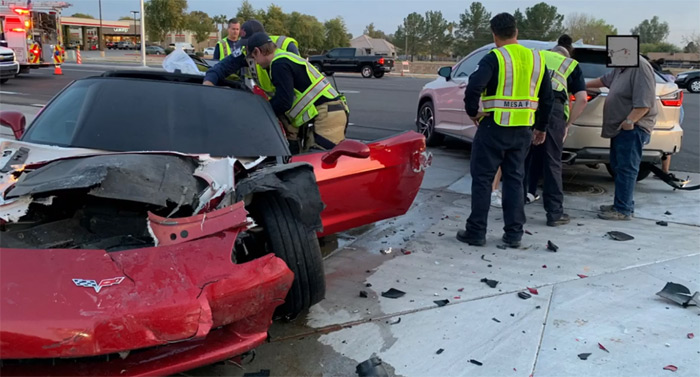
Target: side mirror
(15, 120)
(445, 72)
(350, 148)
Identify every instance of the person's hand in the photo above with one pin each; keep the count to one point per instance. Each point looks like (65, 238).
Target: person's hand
(538, 137)
(626, 126)
(208, 83)
(478, 116)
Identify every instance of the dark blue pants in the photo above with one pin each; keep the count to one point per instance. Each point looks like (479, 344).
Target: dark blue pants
(625, 157)
(506, 147)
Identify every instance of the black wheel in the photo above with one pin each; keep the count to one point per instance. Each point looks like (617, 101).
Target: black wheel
(366, 71)
(694, 86)
(287, 238)
(2, 81)
(644, 171)
(426, 125)
(318, 67)
(379, 74)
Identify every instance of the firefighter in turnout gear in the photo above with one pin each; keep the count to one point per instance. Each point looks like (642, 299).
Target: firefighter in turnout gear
(314, 114)
(513, 84)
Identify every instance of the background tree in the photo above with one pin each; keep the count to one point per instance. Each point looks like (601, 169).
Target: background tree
(372, 32)
(541, 22)
(646, 48)
(221, 22)
(307, 30)
(200, 24)
(246, 11)
(692, 43)
(438, 39)
(164, 16)
(651, 31)
(588, 28)
(126, 18)
(274, 21)
(473, 30)
(409, 35)
(84, 15)
(336, 33)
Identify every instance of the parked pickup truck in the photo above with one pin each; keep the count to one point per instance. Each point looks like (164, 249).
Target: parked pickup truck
(351, 60)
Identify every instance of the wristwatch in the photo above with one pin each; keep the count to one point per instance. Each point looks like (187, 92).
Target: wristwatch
(629, 121)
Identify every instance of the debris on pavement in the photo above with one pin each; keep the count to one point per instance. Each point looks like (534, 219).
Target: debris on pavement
(460, 290)
(533, 290)
(440, 234)
(495, 320)
(524, 295)
(475, 362)
(405, 252)
(395, 322)
(691, 335)
(679, 294)
(439, 351)
(538, 307)
(502, 247)
(386, 251)
(484, 259)
(582, 276)
(662, 223)
(261, 373)
(528, 232)
(457, 297)
(603, 348)
(668, 213)
(368, 285)
(544, 266)
(552, 247)
(490, 283)
(363, 294)
(393, 293)
(371, 368)
(672, 368)
(583, 356)
(619, 236)
(441, 303)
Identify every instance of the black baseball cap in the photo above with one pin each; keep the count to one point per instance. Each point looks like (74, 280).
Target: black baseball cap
(249, 27)
(257, 40)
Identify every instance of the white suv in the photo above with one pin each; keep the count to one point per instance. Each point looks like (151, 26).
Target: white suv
(9, 67)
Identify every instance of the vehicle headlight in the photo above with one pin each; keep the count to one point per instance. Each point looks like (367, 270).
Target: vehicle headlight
(682, 76)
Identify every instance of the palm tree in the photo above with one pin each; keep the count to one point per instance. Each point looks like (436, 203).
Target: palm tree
(220, 21)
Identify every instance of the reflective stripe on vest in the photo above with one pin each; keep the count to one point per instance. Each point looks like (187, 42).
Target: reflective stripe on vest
(519, 79)
(263, 79)
(303, 109)
(561, 68)
(220, 45)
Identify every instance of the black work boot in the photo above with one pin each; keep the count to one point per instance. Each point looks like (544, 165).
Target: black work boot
(510, 243)
(463, 236)
(563, 220)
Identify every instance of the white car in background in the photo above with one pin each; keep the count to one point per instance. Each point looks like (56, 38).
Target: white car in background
(209, 51)
(9, 67)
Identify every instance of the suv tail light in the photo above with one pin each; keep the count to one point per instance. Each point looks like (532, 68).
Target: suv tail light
(674, 99)
(381, 61)
(588, 97)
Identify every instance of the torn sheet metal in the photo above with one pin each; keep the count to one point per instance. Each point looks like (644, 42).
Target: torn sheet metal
(175, 231)
(679, 294)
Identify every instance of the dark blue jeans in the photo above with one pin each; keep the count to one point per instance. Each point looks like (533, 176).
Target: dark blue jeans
(625, 157)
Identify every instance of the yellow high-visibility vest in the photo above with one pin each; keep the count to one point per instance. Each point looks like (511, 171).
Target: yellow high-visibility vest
(520, 74)
(224, 48)
(561, 68)
(261, 78)
(303, 108)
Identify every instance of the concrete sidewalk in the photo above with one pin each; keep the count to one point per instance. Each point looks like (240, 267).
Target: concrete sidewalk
(593, 290)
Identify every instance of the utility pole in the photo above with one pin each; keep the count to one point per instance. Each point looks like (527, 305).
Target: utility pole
(406, 50)
(133, 17)
(143, 36)
(99, 33)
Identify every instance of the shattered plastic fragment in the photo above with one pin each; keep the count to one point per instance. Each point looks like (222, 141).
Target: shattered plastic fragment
(691, 335)
(441, 303)
(495, 320)
(582, 276)
(672, 368)
(393, 293)
(440, 351)
(371, 368)
(502, 247)
(460, 290)
(524, 295)
(583, 356)
(619, 236)
(533, 291)
(528, 232)
(544, 266)
(457, 297)
(475, 362)
(668, 213)
(603, 348)
(363, 294)
(484, 259)
(552, 247)
(679, 294)
(662, 223)
(386, 251)
(395, 322)
(405, 252)
(368, 285)
(490, 283)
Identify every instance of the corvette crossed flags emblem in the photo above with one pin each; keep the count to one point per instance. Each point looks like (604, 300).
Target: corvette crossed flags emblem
(98, 286)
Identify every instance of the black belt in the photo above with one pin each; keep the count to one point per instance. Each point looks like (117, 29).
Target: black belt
(336, 107)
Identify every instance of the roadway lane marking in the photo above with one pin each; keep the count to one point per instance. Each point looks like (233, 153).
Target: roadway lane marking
(349, 91)
(13, 93)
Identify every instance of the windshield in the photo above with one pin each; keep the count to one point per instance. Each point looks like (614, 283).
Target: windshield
(122, 114)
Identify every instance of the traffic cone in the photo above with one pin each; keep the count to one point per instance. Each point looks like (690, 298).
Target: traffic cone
(57, 70)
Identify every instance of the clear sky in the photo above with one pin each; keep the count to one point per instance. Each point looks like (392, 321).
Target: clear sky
(683, 16)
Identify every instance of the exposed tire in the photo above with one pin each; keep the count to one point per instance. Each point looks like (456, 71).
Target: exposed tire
(288, 239)
(694, 86)
(379, 75)
(644, 171)
(366, 71)
(426, 125)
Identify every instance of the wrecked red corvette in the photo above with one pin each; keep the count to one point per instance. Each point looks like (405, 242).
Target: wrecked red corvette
(167, 237)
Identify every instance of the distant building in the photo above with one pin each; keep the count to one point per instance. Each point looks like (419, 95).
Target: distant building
(678, 59)
(373, 46)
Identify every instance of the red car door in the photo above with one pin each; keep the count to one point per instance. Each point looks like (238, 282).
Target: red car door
(361, 184)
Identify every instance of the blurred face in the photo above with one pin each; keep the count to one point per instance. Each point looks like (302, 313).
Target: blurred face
(234, 31)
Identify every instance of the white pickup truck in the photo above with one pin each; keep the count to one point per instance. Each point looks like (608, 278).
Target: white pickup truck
(9, 67)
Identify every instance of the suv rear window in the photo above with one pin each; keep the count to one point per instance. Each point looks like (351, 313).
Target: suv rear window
(592, 63)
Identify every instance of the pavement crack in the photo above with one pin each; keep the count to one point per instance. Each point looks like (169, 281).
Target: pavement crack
(544, 328)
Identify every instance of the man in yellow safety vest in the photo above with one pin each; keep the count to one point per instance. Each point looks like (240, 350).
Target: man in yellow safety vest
(512, 83)
(225, 46)
(302, 96)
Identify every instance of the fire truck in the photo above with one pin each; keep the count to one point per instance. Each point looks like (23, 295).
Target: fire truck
(32, 30)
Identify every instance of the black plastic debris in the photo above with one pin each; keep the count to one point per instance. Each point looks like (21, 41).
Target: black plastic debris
(475, 362)
(440, 234)
(502, 247)
(484, 259)
(679, 294)
(662, 223)
(528, 232)
(363, 294)
(495, 320)
(368, 285)
(512, 314)
(538, 307)
(395, 322)
(620, 236)
(668, 213)
(489, 282)
(524, 295)
(371, 368)
(261, 373)
(441, 303)
(439, 351)
(552, 247)
(583, 356)
(393, 293)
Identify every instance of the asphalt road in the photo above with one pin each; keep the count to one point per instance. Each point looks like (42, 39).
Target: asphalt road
(379, 107)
